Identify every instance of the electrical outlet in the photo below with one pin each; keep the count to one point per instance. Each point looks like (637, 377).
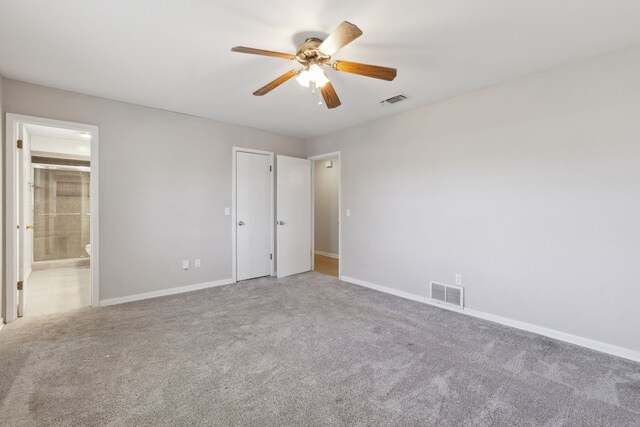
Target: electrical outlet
(185, 264)
(198, 263)
(348, 212)
(459, 279)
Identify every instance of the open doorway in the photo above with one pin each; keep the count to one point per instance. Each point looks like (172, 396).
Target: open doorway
(326, 214)
(51, 224)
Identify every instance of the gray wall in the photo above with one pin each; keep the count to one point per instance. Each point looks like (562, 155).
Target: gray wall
(165, 180)
(529, 189)
(326, 184)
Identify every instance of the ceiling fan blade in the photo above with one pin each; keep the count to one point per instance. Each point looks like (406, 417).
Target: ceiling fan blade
(277, 82)
(339, 38)
(330, 96)
(262, 52)
(383, 73)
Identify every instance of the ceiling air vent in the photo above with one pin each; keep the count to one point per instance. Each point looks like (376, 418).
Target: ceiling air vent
(394, 99)
(447, 294)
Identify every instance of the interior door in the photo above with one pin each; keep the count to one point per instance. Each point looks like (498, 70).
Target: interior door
(28, 187)
(253, 215)
(293, 213)
(23, 172)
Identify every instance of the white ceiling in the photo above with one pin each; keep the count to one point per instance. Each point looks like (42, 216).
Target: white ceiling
(175, 55)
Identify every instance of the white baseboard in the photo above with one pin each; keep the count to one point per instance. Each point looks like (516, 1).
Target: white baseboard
(328, 254)
(396, 292)
(540, 330)
(164, 292)
(1, 323)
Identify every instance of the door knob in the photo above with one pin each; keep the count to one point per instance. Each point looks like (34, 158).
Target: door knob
(30, 227)
(240, 222)
(280, 222)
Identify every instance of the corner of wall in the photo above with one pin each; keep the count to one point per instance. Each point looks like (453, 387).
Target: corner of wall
(307, 143)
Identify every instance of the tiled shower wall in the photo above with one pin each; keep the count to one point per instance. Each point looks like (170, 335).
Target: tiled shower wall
(61, 214)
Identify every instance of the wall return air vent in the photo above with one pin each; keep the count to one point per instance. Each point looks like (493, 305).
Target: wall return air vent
(447, 294)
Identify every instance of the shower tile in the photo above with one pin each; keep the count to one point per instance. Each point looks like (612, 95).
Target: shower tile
(61, 228)
(68, 205)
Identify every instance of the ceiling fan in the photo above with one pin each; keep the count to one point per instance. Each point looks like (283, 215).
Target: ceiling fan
(313, 55)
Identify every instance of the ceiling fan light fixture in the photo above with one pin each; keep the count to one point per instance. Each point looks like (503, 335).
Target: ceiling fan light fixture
(317, 75)
(312, 74)
(303, 78)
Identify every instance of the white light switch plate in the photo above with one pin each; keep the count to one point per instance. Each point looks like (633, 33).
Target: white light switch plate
(227, 211)
(185, 264)
(348, 212)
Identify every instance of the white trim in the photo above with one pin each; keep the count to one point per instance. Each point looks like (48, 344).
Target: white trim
(165, 292)
(337, 154)
(600, 346)
(327, 254)
(235, 150)
(1, 323)
(11, 220)
(324, 156)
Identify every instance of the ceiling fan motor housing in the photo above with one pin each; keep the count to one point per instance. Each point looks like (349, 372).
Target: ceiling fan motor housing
(308, 52)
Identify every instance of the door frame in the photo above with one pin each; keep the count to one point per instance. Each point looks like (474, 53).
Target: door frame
(234, 220)
(313, 207)
(11, 220)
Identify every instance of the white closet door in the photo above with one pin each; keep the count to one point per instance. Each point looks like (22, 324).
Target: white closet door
(253, 216)
(293, 213)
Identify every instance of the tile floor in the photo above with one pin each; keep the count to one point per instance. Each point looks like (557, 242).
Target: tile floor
(57, 291)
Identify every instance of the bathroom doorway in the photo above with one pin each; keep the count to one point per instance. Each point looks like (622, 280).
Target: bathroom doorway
(326, 214)
(50, 246)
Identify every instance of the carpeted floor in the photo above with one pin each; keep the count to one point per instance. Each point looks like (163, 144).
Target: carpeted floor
(306, 350)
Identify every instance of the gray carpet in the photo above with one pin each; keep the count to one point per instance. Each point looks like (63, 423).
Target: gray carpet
(306, 350)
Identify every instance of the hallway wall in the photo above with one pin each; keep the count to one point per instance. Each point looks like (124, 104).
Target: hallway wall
(326, 205)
